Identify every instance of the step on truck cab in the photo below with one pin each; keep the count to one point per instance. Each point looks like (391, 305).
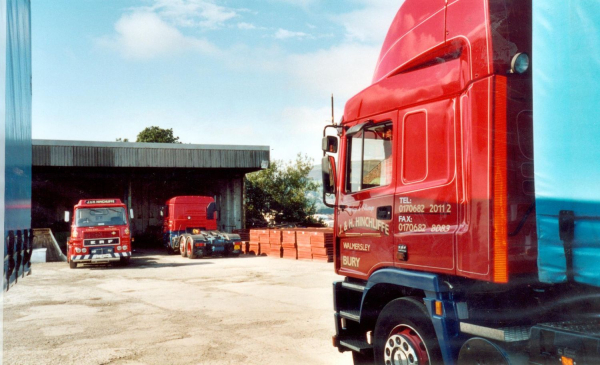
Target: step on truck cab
(190, 228)
(99, 233)
(464, 182)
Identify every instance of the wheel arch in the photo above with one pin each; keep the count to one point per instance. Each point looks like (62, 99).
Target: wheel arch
(389, 284)
(378, 296)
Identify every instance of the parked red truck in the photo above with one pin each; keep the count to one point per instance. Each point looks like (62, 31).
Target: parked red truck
(99, 233)
(435, 224)
(190, 228)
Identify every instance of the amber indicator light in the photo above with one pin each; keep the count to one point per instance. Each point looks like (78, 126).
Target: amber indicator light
(439, 310)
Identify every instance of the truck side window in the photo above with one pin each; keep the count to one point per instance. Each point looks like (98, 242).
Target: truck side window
(370, 163)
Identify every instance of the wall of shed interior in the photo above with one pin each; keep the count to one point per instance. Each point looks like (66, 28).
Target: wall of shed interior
(58, 189)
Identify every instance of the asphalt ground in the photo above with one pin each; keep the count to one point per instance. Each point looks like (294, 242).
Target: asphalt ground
(172, 310)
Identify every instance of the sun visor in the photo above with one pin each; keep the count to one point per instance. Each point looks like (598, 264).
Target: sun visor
(566, 70)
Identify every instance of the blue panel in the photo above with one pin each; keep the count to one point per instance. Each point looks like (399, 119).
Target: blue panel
(18, 116)
(15, 48)
(412, 279)
(566, 70)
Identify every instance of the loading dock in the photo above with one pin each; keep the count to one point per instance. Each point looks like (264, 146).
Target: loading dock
(144, 175)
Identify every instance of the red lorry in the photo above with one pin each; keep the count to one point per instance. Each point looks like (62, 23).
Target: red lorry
(190, 228)
(99, 233)
(431, 169)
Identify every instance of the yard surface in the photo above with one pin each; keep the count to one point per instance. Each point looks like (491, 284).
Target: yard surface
(171, 310)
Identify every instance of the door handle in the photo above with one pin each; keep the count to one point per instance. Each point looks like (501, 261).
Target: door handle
(384, 213)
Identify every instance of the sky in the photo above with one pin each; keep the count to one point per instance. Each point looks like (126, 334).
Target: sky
(238, 72)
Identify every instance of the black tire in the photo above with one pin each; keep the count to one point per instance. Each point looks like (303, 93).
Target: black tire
(182, 250)
(124, 261)
(360, 359)
(190, 247)
(72, 264)
(404, 328)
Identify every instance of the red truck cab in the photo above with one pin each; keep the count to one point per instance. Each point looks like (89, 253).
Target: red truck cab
(189, 214)
(435, 202)
(99, 233)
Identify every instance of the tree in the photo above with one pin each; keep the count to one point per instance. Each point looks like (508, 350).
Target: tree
(122, 139)
(157, 135)
(281, 193)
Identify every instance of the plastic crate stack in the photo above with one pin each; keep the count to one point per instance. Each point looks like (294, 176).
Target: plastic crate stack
(288, 244)
(263, 239)
(254, 245)
(321, 243)
(275, 242)
(303, 244)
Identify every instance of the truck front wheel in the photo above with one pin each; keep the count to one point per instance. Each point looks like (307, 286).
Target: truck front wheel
(404, 334)
(72, 264)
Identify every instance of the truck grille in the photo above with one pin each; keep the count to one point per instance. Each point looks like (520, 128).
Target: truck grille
(101, 234)
(102, 241)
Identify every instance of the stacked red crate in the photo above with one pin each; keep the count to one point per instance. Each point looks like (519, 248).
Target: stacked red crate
(303, 244)
(263, 239)
(288, 243)
(254, 245)
(321, 243)
(275, 242)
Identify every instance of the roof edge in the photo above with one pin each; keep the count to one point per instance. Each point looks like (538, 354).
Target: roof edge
(144, 145)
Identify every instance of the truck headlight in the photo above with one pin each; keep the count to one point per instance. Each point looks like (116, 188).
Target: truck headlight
(84, 250)
(77, 249)
(124, 247)
(519, 63)
(118, 248)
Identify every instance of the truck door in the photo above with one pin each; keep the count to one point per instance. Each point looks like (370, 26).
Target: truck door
(426, 214)
(366, 241)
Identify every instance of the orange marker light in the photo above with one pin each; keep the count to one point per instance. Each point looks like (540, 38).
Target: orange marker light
(439, 310)
(567, 360)
(500, 190)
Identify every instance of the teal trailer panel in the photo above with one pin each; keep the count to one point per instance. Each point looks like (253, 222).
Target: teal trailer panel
(566, 70)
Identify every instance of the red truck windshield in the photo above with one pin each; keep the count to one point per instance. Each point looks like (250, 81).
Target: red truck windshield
(93, 217)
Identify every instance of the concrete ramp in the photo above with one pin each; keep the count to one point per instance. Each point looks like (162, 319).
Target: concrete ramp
(43, 238)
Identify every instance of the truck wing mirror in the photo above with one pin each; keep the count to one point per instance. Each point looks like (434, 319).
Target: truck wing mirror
(131, 213)
(329, 177)
(67, 216)
(330, 144)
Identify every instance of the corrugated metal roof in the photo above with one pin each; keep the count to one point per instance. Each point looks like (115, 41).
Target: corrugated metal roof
(126, 154)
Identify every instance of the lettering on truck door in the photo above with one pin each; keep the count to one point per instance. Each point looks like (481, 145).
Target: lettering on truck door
(365, 231)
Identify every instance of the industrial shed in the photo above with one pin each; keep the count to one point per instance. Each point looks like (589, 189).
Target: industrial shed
(144, 175)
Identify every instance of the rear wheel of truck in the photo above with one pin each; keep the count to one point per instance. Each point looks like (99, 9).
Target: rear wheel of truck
(190, 248)
(182, 249)
(404, 334)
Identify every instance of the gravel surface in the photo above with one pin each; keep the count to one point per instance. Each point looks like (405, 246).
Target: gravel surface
(171, 310)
